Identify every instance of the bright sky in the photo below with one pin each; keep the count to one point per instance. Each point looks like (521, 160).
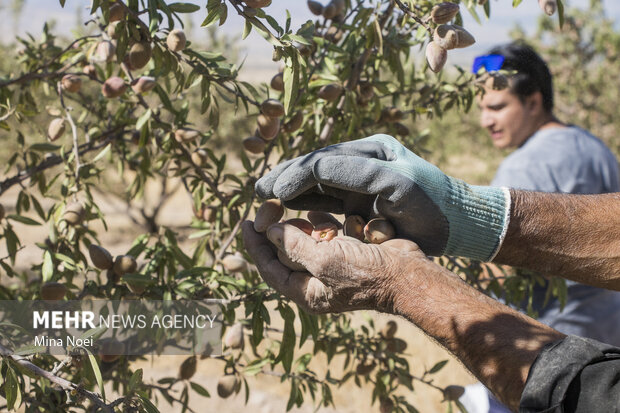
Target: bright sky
(258, 51)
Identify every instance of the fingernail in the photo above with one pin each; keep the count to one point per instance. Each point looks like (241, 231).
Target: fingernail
(275, 234)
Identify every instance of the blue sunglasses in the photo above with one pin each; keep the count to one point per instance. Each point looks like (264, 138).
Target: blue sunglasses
(490, 62)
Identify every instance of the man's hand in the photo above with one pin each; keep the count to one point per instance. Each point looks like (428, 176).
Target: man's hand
(344, 274)
(495, 342)
(377, 176)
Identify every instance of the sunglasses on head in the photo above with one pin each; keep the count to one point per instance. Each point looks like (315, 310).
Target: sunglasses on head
(490, 62)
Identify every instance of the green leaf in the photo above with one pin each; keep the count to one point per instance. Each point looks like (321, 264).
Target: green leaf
(44, 147)
(561, 13)
(255, 367)
(247, 28)
(103, 152)
(223, 13)
(212, 16)
(47, 270)
(23, 220)
(257, 324)
(11, 388)
(438, 367)
(148, 406)
(199, 389)
(287, 346)
(95, 369)
(183, 7)
(136, 378)
(142, 120)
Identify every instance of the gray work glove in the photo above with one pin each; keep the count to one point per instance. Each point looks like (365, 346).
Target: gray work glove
(378, 176)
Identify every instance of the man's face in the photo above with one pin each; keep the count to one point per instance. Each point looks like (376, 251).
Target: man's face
(509, 121)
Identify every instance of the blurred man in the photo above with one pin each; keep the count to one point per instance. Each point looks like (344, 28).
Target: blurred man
(549, 156)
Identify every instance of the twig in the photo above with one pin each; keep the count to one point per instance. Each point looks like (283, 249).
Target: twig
(53, 161)
(16, 251)
(7, 115)
(33, 75)
(411, 14)
(65, 384)
(63, 363)
(76, 151)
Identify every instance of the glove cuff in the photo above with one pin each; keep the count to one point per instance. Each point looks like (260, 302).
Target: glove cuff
(478, 217)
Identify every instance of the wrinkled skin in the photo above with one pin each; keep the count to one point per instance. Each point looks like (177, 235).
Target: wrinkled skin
(344, 274)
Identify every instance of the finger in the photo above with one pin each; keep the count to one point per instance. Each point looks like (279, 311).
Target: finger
(300, 247)
(271, 269)
(402, 245)
(264, 186)
(358, 175)
(298, 177)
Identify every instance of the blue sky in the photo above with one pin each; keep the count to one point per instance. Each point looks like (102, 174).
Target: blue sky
(258, 51)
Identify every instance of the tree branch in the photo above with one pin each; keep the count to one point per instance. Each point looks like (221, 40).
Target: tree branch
(65, 384)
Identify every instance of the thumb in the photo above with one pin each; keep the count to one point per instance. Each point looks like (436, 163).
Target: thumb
(299, 246)
(402, 245)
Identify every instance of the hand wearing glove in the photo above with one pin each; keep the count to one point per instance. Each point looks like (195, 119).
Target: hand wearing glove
(378, 176)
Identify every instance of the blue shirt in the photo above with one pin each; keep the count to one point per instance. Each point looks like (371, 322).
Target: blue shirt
(569, 160)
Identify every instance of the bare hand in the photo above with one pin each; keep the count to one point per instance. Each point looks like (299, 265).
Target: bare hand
(344, 274)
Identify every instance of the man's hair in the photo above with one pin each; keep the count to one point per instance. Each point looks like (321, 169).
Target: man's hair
(532, 72)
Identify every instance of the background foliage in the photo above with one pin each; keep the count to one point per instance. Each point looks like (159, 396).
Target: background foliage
(123, 148)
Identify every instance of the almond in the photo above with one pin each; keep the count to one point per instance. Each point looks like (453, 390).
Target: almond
(188, 368)
(254, 144)
(176, 40)
(116, 12)
(315, 7)
(444, 12)
(436, 56)
(74, 213)
(548, 6)
(325, 231)
(56, 129)
(379, 230)
(143, 84)
(186, 135)
(233, 263)
(330, 92)
(100, 257)
(268, 214)
(125, 264)
(277, 82)
(354, 227)
(140, 54)
(71, 83)
(272, 108)
(294, 123)
(53, 291)
(268, 127)
(234, 336)
(113, 87)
